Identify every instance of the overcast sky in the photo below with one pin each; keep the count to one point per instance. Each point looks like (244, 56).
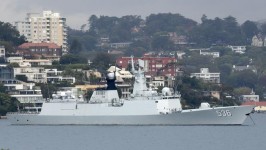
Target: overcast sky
(77, 12)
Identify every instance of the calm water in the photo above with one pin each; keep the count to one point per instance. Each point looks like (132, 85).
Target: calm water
(245, 137)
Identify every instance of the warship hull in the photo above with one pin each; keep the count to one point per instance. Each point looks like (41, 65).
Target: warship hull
(233, 115)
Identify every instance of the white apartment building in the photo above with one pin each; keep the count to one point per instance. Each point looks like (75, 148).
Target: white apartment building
(120, 45)
(238, 49)
(14, 84)
(246, 98)
(2, 51)
(53, 72)
(28, 96)
(213, 54)
(54, 76)
(15, 59)
(207, 76)
(29, 62)
(55, 79)
(38, 62)
(47, 26)
(34, 74)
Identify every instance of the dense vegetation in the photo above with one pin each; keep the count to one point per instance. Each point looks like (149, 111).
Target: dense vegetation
(7, 103)
(9, 36)
(151, 33)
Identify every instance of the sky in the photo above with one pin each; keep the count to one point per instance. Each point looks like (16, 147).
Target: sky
(77, 12)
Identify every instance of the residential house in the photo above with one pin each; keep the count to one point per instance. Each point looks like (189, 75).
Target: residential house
(199, 49)
(241, 68)
(209, 53)
(120, 45)
(29, 62)
(54, 76)
(14, 84)
(251, 97)
(238, 49)
(177, 39)
(33, 74)
(258, 41)
(40, 50)
(55, 79)
(125, 89)
(158, 81)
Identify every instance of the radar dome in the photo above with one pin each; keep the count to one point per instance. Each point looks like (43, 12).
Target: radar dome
(111, 75)
(166, 91)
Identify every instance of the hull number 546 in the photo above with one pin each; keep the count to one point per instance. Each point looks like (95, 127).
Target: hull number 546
(223, 113)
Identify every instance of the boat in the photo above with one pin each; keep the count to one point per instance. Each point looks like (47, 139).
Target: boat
(144, 107)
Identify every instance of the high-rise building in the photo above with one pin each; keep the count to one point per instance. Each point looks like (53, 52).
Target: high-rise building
(47, 27)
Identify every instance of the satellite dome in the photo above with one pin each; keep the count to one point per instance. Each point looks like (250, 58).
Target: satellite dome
(166, 91)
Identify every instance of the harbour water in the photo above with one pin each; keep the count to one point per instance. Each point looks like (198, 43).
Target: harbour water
(245, 137)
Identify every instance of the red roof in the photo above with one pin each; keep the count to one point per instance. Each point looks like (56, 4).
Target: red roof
(255, 103)
(29, 45)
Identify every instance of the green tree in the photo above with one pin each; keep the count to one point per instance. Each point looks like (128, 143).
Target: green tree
(168, 22)
(89, 42)
(136, 52)
(9, 47)
(48, 90)
(2, 88)
(263, 29)
(242, 91)
(217, 32)
(117, 29)
(88, 95)
(75, 47)
(249, 29)
(72, 59)
(74, 73)
(161, 42)
(13, 65)
(245, 78)
(102, 61)
(9, 33)
(7, 104)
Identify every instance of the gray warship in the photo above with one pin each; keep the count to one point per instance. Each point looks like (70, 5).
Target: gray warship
(145, 107)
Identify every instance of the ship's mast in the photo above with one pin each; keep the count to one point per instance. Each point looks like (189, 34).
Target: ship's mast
(140, 81)
(132, 65)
